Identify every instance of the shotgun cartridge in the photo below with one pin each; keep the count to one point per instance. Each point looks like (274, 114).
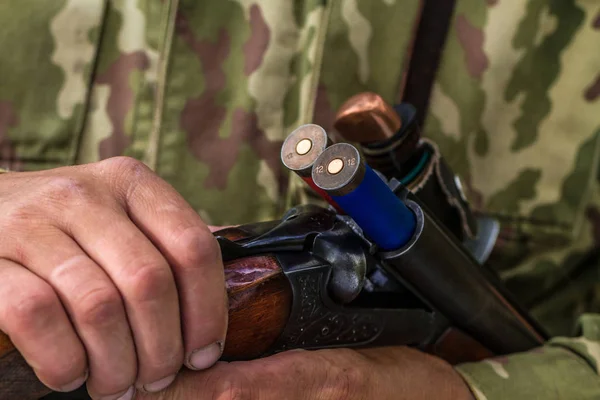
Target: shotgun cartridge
(299, 152)
(387, 142)
(363, 195)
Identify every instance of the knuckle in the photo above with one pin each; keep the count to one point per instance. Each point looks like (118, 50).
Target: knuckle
(196, 246)
(33, 309)
(125, 166)
(66, 188)
(99, 306)
(17, 214)
(149, 281)
(20, 216)
(124, 174)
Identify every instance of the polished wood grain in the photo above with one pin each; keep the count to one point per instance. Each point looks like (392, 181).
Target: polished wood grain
(260, 300)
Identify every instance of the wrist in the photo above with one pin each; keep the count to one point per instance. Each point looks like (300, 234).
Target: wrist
(446, 382)
(400, 372)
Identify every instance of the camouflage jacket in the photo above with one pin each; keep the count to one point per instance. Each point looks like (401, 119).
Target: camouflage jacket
(205, 91)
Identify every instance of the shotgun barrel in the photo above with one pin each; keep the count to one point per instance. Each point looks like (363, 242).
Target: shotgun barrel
(429, 258)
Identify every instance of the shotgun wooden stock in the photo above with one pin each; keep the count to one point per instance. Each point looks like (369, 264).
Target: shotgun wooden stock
(260, 300)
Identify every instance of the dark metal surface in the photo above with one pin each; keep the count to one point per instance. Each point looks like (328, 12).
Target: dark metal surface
(316, 321)
(456, 285)
(440, 190)
(481, 247)
(289, 234)
(302, 163)
(347, 254)
(390, 155)
(348, 178)
(321, 232)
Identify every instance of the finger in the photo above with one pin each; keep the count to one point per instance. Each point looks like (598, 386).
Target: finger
(214, 228)
(34, 319)
(294, 375)
(325, 374)
(95, 307)
(195, 256)
(144, 279)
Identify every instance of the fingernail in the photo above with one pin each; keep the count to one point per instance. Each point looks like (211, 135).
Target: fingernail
(127, 395)
(159, 385)
(205, 357)
(75, 384)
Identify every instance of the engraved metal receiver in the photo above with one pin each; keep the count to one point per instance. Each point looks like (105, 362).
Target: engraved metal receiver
(341, 296)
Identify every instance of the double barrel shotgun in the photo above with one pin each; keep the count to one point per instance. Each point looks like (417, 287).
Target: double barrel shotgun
(396, 258)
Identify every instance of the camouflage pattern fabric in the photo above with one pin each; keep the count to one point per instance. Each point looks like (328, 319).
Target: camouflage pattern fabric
(515, 111)
(204, 92)
(565, 368)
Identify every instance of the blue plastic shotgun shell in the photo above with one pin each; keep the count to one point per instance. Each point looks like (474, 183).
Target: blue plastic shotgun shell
(363, 195)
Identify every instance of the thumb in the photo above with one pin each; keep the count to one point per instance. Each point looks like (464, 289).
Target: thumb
(216, 228)
(294, 375)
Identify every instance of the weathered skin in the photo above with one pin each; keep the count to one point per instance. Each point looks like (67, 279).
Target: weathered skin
(204, 92)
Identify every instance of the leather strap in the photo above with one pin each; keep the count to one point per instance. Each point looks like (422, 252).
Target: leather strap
(427, 51)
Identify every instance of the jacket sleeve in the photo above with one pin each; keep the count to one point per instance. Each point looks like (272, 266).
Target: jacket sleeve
(564, 368)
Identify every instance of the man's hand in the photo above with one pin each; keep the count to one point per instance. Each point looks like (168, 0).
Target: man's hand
(393, 373)
(108, 275)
